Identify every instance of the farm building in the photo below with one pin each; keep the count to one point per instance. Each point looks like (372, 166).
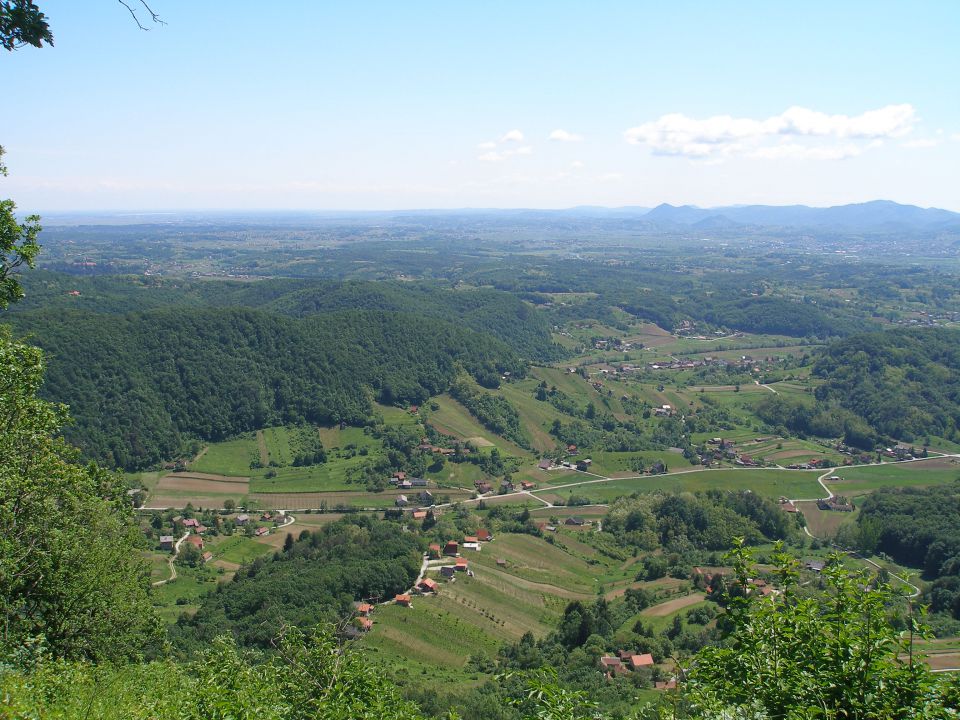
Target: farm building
(401, 500)
(575, 520)
(402, 599)
(261, 531)
(166, 542)
(364, 609)
(451, 548)
(545, 464)
(433, 551)
(484, 535)
(461, 564)
(364, 623)
(638, 661)
(419, 514)
(448, 571)
(207, 556)
(196, 541)
(242, 519)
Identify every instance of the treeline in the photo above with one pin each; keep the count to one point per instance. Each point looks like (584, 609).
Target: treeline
(314, 579)
(139, 385)
(918, 527)
(904, 383)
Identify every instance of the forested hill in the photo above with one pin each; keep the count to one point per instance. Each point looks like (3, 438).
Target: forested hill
(139, 384)
(904, 383)
(315, 579)
(499, 313)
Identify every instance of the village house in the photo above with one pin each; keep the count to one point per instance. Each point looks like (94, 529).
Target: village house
(448, 571)
(612, 665)
(451, 548)
(433, 551)
(545, 464)
(402, 599)
(191, 523)
(574, 520)
(401, 500)
(419, 514)
(166, 542)
(196, 541)
(364, 623)
(364, 609)
(427, 585)
(207, 556)
(425, 497)
(484, 535)
(261, 531)
(242, 519)
(501, 562)
(527, 485)
(471, 542)
(461, 564)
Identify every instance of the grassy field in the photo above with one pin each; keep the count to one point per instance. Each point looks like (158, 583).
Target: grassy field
(771, 483)
(231, 457)
(862, 480)
(824, 523)
(452, 418)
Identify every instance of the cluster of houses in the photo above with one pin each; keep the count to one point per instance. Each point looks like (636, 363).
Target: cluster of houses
(837, 503)
(484, 487)
(197, 530)
(624, 661)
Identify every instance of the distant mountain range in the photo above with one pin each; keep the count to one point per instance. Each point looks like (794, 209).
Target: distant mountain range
(876, 215)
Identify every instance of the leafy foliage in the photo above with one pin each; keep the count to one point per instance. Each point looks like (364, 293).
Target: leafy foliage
(71, 579)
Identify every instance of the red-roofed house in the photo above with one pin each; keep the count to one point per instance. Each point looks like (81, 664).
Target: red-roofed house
(433, 551)
(191, 522)
(427, 585)
(196, 541)
(451, 548)
(207, 556)
(484, 535)
(364, 609)
(364, 623)
(639, 661)
(419, 514)
(461, 564)
(403, 599)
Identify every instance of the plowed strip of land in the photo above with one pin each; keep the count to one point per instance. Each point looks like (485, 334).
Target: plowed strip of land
(671, 606)
(262, 447)
(208, 476)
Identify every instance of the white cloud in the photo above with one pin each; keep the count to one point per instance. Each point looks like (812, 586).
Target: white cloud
(564, 136)
(525, 150)
(512, 136)
(490, 157)
(610, 177)
(724, 136)
(921, 143)
(489, 145)
(955, 137)
(576, 164)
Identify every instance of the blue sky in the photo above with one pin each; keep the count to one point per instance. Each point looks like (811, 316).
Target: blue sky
(361, 105)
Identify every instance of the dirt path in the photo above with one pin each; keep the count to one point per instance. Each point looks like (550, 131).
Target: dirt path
(170, 561)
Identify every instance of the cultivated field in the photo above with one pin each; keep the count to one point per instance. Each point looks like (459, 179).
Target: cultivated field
(862, 480)
(200, 489)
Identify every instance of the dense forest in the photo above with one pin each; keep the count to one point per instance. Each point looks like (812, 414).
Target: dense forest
(313, 580)
(904, 383)
(919, 527)
(138, 385)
